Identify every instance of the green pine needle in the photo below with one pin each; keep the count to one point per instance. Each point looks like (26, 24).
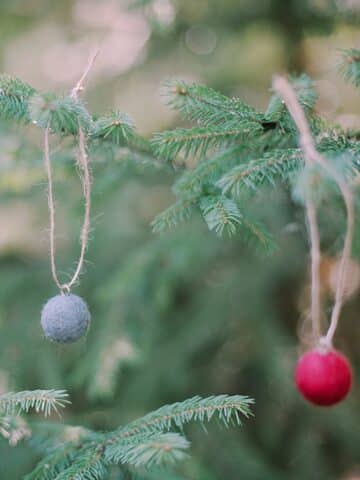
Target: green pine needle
(54, 463)
(151, 450)
(208, 171)
(177, 213)
(88, 466)
(349, 65)
(225, 408)
(305, 92)
(45, 401)
(197, 141)
(63, 115)
(221, 214)
(14, 96)
(116, 127)
(206, 106)
(278, 164)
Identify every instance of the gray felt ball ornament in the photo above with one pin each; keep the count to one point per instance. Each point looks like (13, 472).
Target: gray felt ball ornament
(65, 318)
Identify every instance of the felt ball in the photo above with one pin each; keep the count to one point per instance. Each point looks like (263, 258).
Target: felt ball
(323, 377)
(65, 318)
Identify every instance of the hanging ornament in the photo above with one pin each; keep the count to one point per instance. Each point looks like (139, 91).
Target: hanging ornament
(65, 318)
(322, 375)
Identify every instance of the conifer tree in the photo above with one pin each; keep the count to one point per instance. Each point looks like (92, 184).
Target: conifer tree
(237, 152)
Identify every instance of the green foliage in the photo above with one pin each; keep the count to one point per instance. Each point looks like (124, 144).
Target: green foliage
(226, 409)
(175, 214)
(45, 401)
(14, 97)
(349, 65)
(274, 165)
(116, 127)
(63, 115)
(180, 312)
(88, 466)
(12, 427)
(150, 450)
(220, 213)
(204, 105)
(241, 151)
(54, 463)
(197, 141)
(305, 92)
(146, 443)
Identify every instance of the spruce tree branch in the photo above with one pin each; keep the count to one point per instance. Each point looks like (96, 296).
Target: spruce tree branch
(275, 164)
(192, 141)
(207, 106)
(45, 401)
(193, 409)
(349, 65)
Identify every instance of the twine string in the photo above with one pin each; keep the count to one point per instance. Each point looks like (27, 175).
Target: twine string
(312, 156)
(85, 179)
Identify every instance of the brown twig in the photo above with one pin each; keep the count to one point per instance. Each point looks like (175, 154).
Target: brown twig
(312, 156)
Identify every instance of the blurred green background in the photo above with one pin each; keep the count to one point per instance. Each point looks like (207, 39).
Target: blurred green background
(184, 313)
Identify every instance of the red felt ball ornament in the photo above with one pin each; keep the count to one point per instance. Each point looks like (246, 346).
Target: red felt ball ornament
(323, 377)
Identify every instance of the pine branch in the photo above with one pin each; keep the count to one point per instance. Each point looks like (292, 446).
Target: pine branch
(88, 466)
(304, 90)
(254, 234)
(208, 171)
(45, 401)
(349, 65)
(64, 115)
(278, 164)
(197, 141)
(177, 213)
(206, 106)
(149, 451)
(225, 408)
(14, 96)
(146, 442)
(54, 463)
(221, 214)
(116, 127)
(14, 429)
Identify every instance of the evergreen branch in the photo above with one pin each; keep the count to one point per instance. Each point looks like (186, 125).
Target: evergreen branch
(53, 464)
(45, 401)
(220, 213)
(150, 450)
(63, 115)
(14, 96)
(254, 234)
(273, 165)
(14, 429)
(116, 127)
(177, 213)
(207, 171)
(349, 65)
(304, 90)
(146, 442)
(206, 106)
(196, 141)
(89, 466)
(225, 408)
